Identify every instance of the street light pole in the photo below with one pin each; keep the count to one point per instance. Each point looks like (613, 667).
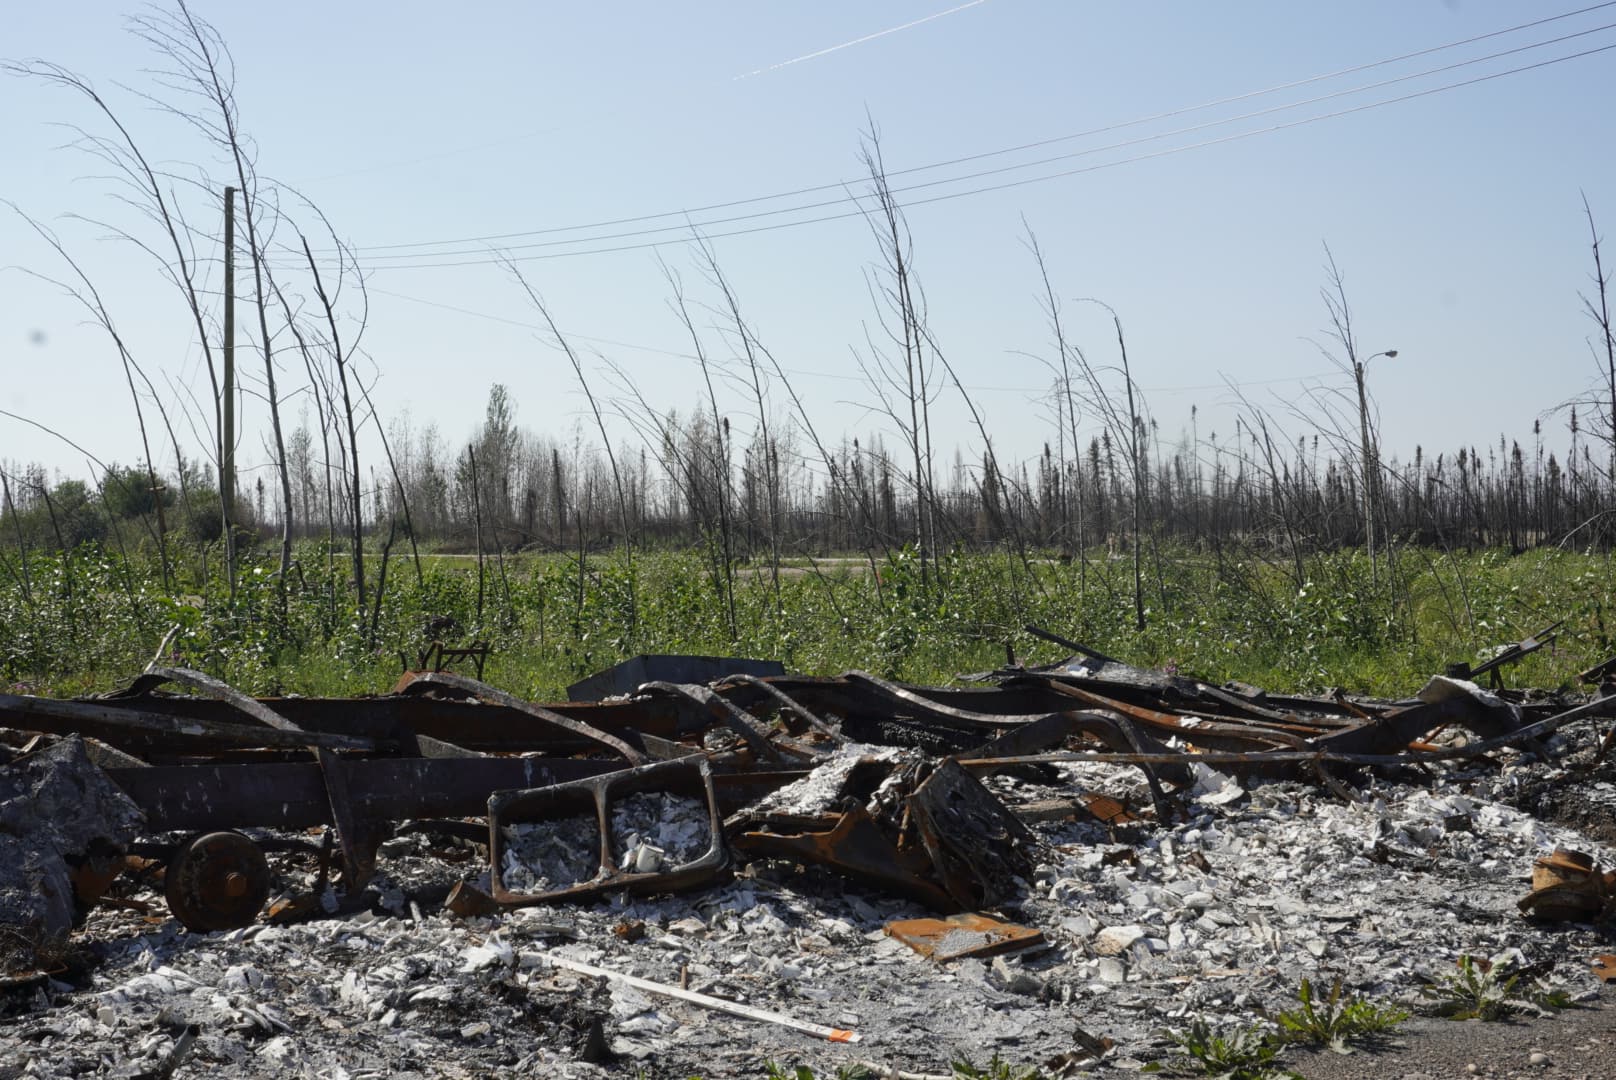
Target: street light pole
(1371, 466)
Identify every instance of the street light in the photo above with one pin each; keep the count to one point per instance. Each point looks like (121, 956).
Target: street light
(1371, 469)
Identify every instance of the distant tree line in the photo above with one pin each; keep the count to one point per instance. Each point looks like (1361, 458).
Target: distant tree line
(744, 475)
(511, 489)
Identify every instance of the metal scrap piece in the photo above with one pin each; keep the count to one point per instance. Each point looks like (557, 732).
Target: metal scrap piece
(965, 934)
(788, 703)
(854, 845)
(1568, 886)
(980, 849)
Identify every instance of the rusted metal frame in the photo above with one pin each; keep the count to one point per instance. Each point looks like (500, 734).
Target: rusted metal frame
(977, 846)
(600, 792)
(1599, 707)
(786, 702)
(840, 696)
(1351, 707)
(392, 720)
(726, 712)
(97, 720)
(483, 692)
(1109, 728)
(406, 709)
(854, 845)
(1158, 797)
(1333, 711)
(292, 795)
(358, 856)
(1603, 707)
(1198, 732)
(1395, 731)
(1519, 650)
(906, 696)
(1304, 716)
(1261, 712)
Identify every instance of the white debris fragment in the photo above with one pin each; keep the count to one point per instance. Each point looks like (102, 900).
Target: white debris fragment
(1443, 688)
(1213, 788)
(1115, 940)
(816, 792)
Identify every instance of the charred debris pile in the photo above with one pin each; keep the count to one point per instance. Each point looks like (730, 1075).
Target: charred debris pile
(697, 865)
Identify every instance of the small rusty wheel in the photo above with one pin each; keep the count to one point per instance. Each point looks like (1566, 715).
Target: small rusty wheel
(217, 881)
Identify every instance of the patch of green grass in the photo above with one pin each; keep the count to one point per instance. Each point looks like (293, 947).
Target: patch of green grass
(87, 619)
(1337, 1019)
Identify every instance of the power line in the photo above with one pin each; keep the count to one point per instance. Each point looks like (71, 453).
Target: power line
(818, 374)
(841, 185)
(496, 258)
(980, 174)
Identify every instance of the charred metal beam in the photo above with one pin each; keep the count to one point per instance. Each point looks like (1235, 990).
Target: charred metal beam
(115, 724)
(725, 712)
(293, 795)
(483, 692)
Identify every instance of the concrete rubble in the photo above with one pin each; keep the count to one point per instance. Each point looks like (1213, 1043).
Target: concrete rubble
(58, 811)
(1136, 922)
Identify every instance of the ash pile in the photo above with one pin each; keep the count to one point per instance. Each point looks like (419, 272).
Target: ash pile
(1056, 864)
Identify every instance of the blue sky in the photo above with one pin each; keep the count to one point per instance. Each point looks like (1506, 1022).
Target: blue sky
(1456, 217)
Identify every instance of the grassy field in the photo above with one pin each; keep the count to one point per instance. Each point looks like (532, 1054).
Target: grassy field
(87, 620)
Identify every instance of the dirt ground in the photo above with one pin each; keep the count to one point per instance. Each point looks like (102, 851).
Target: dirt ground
(1576, 1044)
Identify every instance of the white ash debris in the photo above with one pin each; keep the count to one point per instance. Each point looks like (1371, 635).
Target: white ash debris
(1217, 915)
(655, 830)
(819, 791)
(1213, 788)
(544, 855)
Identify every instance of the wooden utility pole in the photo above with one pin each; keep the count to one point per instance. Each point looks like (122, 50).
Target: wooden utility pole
(227, 427)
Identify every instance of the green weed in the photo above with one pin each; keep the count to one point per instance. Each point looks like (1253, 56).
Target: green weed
(1491, 991)
(803, 1072)
(1234, 1054)
(996, 1069)
(1336, 1020)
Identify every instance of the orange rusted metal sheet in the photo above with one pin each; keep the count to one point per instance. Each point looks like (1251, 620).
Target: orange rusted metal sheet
(963, 935)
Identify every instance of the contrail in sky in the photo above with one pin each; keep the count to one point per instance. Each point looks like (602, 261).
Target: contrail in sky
(859, 40)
